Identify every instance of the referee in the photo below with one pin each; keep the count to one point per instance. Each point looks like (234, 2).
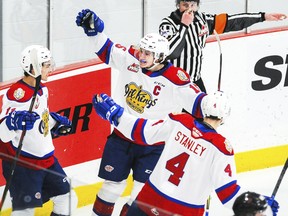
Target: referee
(187, 30)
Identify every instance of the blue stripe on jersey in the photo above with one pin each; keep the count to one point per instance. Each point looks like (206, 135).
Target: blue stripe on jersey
(231, 185)
(142, 131)
(26, 154)
(196, 110)
(137, 130)
(104, 52)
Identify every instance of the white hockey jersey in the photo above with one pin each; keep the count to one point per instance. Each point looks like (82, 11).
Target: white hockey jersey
(144, 93)
(37, 147)
(195, 161)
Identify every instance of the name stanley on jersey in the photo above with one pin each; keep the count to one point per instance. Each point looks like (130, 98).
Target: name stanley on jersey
(189, 143)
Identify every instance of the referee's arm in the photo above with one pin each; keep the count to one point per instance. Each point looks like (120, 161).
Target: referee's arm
(227, 23)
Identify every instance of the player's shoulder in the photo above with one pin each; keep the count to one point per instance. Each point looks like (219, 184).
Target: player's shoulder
(184, 118)
(20, 91)
(220, 142)
(176, 75)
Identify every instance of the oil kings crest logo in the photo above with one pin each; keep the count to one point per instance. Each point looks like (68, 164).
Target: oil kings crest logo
(45, 122)
(137, 98)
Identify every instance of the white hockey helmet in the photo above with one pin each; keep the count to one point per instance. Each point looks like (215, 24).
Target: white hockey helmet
(216, 105)
(157, 44)
(43, 55)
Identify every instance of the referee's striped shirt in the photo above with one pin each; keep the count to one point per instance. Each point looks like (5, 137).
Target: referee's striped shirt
(187, 42)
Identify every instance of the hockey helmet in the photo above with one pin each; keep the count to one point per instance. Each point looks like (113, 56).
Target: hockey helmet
(43, 55)
(216, 105)
(249, 203)
(157, 44)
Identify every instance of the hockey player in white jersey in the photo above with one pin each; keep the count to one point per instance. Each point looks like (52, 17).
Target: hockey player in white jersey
(31, 186)
(195, 161)
(149, 87)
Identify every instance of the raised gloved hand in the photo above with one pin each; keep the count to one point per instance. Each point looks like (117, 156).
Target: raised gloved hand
(21, 120)
(90, 22)
(107, 108)
(273, 204)
(63, 125)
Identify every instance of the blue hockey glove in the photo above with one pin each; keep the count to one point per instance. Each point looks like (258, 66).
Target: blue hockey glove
(107, 108)
(63, 125)
(273, 204)
(90, 22)
(21, 120)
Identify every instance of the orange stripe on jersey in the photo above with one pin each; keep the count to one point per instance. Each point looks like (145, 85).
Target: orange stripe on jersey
(220, 23)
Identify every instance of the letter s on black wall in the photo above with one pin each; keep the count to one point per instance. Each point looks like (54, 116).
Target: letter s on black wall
(273, 74)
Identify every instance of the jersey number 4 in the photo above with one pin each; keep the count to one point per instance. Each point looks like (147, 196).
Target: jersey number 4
(176, 166)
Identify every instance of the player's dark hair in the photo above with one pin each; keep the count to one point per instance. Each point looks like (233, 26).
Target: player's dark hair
(178, 1)
(248, 204)
(30, 70)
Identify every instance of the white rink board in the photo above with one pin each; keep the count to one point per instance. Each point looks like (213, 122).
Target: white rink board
(258, 118)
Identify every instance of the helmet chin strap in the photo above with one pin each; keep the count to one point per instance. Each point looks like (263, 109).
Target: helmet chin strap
(153, 66)
(155, 63)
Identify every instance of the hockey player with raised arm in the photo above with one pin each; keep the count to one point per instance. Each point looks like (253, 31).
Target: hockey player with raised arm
(195, 161)
(38, 177)
(148, 86)
(187, 30)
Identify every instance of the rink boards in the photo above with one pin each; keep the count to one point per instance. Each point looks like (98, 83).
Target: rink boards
(254, 75)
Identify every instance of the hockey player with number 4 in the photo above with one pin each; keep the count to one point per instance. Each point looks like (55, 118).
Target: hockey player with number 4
(148, 86)
(26, 132)
(196, 159)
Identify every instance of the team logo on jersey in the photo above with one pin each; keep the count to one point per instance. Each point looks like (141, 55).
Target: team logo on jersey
(109, 168)
(154, 211)
(182, 76)
(137, 98)
(19, 93)
(228, 146)
(167, 31)
(38, 195)
(148, 171)
(203, 31)
(133, 67)
(45, 123)
(196, 133)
